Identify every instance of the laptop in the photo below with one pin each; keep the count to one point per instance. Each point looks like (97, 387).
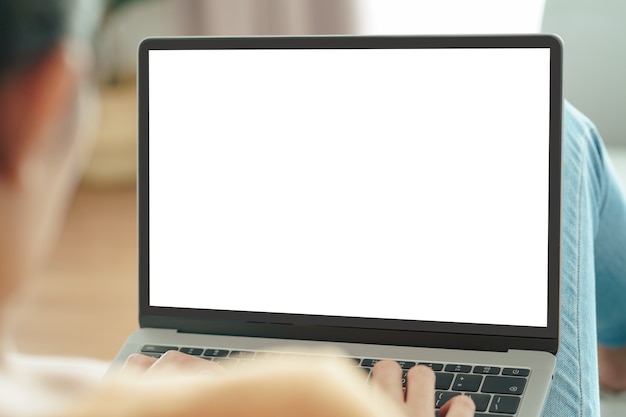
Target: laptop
(395, 197)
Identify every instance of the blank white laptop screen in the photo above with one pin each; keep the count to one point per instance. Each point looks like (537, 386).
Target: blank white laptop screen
(395, 183)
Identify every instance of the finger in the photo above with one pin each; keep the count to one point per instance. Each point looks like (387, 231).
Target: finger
(176, 362)
(387, 375)
(137, 364)
(459, 406)
(420, 391)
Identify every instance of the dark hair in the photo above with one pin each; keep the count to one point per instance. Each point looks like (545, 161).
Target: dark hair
(29, 28)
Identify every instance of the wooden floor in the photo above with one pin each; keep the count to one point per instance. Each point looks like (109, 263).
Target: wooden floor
(85, 302)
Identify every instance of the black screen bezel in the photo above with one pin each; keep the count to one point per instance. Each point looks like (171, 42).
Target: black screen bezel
(351, 329)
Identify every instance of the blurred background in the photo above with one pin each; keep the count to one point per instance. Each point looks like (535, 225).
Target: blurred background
(86, 302)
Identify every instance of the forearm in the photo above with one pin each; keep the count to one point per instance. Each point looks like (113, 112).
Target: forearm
(282, 390)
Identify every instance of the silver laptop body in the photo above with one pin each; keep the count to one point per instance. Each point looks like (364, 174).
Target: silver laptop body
(394, 197)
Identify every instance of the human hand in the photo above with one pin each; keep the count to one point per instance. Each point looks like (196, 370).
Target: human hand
(417, 401)
(170, 362)
(419, 398)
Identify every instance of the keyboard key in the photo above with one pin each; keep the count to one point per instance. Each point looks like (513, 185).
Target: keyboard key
(481, 400)
(157, 349)
(441, 397)
(192, 351)
(434, 366)
(369, 362)
(242, 354)
(220, 353)
(493, 370)
(444, 380)
(406, 364)
(372, 362)
(467, 383)
(225, 361)
(404, 374)
(504, 385)
(504, 404)
(152, 355)
(459, 368)
(438, 414)
(515, 371)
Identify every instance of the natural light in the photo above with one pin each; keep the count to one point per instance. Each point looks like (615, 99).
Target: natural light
(451, 16)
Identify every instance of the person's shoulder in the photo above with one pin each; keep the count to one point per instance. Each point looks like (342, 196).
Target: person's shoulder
(574, 118)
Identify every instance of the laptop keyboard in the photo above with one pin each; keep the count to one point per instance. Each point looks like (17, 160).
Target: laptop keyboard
(496, 391)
